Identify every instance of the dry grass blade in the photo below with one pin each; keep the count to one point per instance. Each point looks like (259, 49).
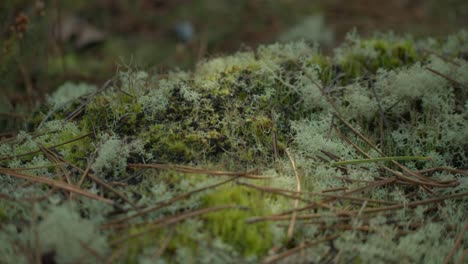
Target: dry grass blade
(295, 250)
(57, 184)
(187, 169)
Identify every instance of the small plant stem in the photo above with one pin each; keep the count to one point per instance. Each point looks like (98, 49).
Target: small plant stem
(361, 161)
(296, 201)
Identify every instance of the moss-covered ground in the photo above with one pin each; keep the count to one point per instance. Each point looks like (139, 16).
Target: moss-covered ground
(281, 154)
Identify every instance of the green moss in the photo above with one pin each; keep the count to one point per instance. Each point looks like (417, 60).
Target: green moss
(231, 226)
(226, 115)
(361, 57)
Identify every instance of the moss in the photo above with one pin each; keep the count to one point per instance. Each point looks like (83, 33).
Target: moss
(231, 226)
(226, 115)
(360, 57)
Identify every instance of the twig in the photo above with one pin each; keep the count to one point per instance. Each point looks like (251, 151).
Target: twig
(447, 77)
(442, 57)
(415, 204)
(166, 203)
(456, 245)
(462, 257)
(164, 245)
(296, 202)
(292, 251)
(104, 184)
(174, 219)
(298, 217)
(188, 169)
(37, 151)
(274, 137)
(116, 254)
(323, 205)
(451, 170)
(57, 184)
(281, 192)
(360, 161)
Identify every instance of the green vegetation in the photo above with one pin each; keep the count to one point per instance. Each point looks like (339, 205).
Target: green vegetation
(160, 150)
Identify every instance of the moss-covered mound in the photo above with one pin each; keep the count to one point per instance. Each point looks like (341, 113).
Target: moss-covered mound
(356, 157)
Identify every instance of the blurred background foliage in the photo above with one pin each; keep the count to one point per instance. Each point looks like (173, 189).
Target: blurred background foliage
(46, 43)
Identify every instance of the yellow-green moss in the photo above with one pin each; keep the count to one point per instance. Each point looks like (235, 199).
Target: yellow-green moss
(231, 226)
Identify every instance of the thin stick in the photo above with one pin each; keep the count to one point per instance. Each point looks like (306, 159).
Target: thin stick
(340, 197)
(37, 151)
(164, 245)
(174, 219)
(57, 184)
(167, 202)
(294, 195)
(360, 161)
(104, 184)
(415, 204)
(456, 245)
(451, 170)
(115, 254)
(188, 169)
(292, 251)
(38, 167)
(296, 202)
(447, 77)
(462, 257)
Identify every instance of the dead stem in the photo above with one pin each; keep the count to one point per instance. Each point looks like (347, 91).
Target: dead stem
(187, 169)
(292, 251)
(456, 245)
(37, 151)
(298, 217)
(174, 219)
(296, 201)
(104, 184)
(462, 257)
(57, 184)
(447, 78)
(163, 246)
(116, 254)
(280, 192)
(414, 204)
(166, 203)
(451, 170)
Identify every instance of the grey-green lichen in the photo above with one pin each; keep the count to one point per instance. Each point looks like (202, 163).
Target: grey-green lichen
(242, 112)
(68, 92)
